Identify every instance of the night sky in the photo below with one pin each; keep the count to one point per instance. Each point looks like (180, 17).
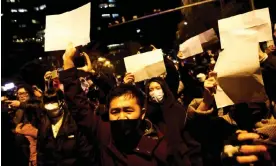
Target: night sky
(160, 30)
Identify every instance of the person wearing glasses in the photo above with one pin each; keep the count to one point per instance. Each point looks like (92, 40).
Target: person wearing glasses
(26, 119)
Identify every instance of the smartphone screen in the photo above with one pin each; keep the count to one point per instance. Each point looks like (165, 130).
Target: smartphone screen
(54, 74)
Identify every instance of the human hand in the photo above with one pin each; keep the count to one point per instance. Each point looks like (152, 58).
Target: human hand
(68, 56)
(48, 76)
(13, 103)
(69, 52)
(270, 49)
(4, 98)
(88, 66)
(210, 87)
(129, 78)
(249, 152)
(262, 55)
(18, 128)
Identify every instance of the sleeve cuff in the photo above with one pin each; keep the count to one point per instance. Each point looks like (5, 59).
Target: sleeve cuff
(264, 58)
(193, 111)
(204, 112)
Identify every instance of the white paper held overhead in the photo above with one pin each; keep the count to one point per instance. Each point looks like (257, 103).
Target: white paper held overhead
(208, 36)
(194, 45)
(257, 20)
(190, 47)
(238, 73)
(146, 65)
(72, 26)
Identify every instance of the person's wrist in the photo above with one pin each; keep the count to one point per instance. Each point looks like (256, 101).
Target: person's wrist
(208, 98)
(93, 72)
(263, 57)
(205, 106)
(68, 63)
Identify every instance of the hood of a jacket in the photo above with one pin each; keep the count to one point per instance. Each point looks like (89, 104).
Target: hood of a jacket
(168, 95)
(155, 110)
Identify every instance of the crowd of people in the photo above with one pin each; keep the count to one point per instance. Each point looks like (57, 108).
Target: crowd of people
(88, 117)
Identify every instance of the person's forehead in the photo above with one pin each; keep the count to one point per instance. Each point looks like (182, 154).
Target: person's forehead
(21, 90)
(154, 84)
(123, 101)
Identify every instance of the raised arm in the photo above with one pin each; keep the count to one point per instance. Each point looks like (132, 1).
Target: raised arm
(76, 99)
(204, 106)
(100, 79)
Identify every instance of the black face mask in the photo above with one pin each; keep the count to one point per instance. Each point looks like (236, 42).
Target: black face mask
(126, 133)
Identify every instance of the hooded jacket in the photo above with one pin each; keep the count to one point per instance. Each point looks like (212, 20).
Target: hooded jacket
(171, 118)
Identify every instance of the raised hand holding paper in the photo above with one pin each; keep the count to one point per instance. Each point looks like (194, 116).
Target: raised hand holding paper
(238, 74)
(72, 26)
(146, 65)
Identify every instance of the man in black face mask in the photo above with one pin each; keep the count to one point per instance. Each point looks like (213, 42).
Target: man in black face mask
(127, 138)
(59, 140)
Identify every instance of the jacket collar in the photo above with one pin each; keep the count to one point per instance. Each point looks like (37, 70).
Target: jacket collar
(68, 126)
(146, 146)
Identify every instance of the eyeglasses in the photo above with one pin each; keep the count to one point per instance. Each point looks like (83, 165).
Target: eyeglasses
(22, 94)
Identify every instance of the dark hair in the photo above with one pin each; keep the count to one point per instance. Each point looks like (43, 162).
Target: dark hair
(28, 88)
(146, 48)
(130, 91)
(52, 95)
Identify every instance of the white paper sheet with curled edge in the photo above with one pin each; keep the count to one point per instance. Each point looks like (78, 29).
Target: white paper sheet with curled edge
(146, 65)
(238, 74)
(72, 26)
(191, 47)
(208, 36)
(258, 20)
(195, 44)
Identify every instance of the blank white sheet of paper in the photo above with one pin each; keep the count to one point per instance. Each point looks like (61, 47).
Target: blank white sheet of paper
(238, 74)
(191, 47)
(146, 65)
(258, 20)
(194, 45)
(72, 26)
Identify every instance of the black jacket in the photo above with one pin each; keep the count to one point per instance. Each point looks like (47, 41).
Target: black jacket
(172, 78)
(171, 119)
(151, 149)
(214, 132)
(192, 87)
(269, 76)
(69, 148)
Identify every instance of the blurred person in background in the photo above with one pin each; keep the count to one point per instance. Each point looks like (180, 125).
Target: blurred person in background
(59, 140)
(26, 119)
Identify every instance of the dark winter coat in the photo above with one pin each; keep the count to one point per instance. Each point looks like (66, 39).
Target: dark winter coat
(150, 151)
(171, 118)
(69, 148)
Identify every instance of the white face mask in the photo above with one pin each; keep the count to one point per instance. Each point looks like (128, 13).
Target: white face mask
(51, 106)
(157, 95)
(53, 110)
